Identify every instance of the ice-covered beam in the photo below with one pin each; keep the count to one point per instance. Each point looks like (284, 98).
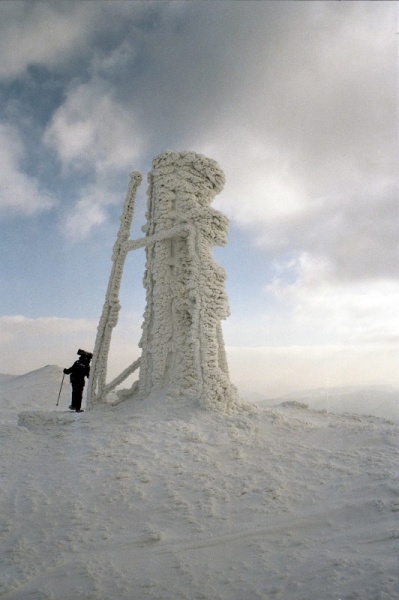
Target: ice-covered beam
(110, 314)
(182, 344)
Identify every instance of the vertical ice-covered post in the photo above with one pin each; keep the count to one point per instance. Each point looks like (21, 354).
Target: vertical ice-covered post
(182, 343)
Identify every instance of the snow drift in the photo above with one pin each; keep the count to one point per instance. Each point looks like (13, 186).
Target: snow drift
(159, 500)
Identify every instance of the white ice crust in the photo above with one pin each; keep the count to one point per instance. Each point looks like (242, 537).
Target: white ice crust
(182, 344)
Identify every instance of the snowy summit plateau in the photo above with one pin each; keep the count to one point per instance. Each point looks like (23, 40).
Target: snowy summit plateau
(157, 500)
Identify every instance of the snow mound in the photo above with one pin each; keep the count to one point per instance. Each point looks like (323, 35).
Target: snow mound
(294, 404)
(36, 390)
(34, 419)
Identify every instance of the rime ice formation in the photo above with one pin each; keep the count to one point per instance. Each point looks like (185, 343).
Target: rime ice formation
(97, 388)
(182, 343)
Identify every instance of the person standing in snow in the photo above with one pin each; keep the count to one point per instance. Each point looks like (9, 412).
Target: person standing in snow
(79, 370)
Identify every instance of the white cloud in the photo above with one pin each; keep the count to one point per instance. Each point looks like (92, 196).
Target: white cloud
(268, 372)
(92, 130)
(351, 223)
(87, 213)
(90, 210)
(309, 330)
(351, 312)
(308, 140)
(260, 187)
(19, 193)
(296, 101)
(28, 343)
(45, 34)
(51, 34)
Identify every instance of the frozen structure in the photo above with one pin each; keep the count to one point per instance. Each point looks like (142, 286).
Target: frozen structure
(182, 344)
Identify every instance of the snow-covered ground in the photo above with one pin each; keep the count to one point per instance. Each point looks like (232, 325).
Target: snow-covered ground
(160, 500)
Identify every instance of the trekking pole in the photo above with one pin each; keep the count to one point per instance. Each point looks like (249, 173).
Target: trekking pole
(60, 389)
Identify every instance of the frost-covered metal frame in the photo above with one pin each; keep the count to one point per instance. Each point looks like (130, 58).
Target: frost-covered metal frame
(182, 343)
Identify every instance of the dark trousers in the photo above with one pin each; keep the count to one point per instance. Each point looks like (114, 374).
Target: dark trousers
(77, 393)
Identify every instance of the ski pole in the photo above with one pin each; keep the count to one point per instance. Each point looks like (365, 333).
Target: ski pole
(60, 389)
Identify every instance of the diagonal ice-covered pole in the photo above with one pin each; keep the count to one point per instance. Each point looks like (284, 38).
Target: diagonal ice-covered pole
(110, 313)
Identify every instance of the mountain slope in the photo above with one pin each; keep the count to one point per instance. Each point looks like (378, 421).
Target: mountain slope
(37, 389)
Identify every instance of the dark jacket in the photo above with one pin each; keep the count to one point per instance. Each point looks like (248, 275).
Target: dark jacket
(78, 372)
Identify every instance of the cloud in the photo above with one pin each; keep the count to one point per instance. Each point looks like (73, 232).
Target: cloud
(296, 101)
(19, 194)
(29, 344)
(45, 33)
(53, 35)
(92, 130)
(305, 134)
(92, 133)
(89, 211)
(351, 223)
(350, 312)
(269, 372)
(308, 138)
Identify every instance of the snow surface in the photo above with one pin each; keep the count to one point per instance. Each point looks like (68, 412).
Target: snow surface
(158, 499)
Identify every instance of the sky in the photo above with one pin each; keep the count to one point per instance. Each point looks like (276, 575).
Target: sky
(296, 101)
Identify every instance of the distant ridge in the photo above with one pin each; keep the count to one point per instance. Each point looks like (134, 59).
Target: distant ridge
(376, 400)
(46, 370)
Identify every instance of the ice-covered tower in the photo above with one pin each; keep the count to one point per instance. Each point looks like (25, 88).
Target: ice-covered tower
(182, 343)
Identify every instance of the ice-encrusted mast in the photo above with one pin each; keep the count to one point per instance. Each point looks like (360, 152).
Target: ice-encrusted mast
(182, 343)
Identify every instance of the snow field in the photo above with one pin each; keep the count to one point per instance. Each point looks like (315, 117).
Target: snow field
(157, 499)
